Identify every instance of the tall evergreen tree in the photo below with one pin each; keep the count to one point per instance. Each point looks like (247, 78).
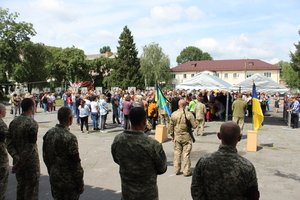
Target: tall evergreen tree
(295, 58)
(126, 73)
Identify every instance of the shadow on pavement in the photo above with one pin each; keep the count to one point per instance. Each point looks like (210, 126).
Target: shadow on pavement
(90, 192)
(274, 120)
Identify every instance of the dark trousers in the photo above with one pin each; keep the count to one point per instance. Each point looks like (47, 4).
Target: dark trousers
(116, 117)
(295, 120)
(84, 121)
(153, 122)
(126, 122)
(67, 193)
(28, 185)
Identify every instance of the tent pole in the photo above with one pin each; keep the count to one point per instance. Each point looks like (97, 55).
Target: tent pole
(227, 106)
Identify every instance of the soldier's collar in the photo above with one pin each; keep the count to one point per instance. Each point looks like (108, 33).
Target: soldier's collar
(133, 132)
(62, 126)
(227, 148)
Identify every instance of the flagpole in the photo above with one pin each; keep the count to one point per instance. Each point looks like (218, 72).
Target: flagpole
(252, 105)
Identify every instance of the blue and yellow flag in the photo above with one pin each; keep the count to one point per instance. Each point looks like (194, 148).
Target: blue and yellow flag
(258, 116)
(162, 101)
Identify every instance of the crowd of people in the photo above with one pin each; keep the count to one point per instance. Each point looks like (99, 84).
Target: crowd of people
(214, 106)
(132, 149)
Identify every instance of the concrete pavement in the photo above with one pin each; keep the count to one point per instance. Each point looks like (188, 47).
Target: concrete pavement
(277, 161)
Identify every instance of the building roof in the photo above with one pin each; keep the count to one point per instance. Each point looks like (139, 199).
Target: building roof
(95, 56)
(224, 65)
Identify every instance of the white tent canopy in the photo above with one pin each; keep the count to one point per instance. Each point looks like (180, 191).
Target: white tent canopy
(203, 81)
(262, 83)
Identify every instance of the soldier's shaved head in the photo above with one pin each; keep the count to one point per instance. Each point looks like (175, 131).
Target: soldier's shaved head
(182, 103)
(230, 133)
(64, 114)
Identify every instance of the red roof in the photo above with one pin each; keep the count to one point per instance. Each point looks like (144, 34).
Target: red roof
(224, 65)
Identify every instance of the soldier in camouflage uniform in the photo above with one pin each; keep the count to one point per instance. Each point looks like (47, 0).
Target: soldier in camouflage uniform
(61, 156)
(225, 175)
(21, 145)
(140, 158)
(181, 138)
(3, 154)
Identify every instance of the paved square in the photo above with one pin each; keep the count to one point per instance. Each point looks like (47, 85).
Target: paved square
(277, 161)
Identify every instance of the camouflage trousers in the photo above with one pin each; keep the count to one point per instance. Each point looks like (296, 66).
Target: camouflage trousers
(200, 128)
(28, 185)
(239, 121)
(182, 150)
(65, 194)
(4, 171)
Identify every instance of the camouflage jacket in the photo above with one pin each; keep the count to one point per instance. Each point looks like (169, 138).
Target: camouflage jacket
(178, 125)
(61, 156)
(141, 159)
(3, 152)
(21, 143)
(224, 175)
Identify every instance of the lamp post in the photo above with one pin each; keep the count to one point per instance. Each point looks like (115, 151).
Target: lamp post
(51, 81)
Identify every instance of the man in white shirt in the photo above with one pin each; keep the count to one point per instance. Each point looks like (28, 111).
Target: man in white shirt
(95, 112)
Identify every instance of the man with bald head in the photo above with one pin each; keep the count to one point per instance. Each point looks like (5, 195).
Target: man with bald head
(181, 137)
(225, 175)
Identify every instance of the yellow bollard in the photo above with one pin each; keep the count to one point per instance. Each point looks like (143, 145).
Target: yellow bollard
(161, 134)
(252, 141)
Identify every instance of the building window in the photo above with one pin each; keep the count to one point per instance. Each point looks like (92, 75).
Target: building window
(192, 75)
(226, 75)
(249, 74)
(173, 75)
(217, 74)
(184, 75)
(235, 75)
(267, 74)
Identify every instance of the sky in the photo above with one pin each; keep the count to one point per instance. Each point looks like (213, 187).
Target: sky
(226, 29)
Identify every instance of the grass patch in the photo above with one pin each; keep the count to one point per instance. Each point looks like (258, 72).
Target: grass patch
(59, 102)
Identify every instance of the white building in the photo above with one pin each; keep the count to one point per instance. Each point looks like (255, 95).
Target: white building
(231, 71)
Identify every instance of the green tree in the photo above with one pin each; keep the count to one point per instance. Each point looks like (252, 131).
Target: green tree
(68, 64)
(126, 72)
(54, 64)
(101, 67)
(155, 65)
(192, 54)
(32, 68)
(295, 59)
(12, 34)
(289, 75)
(105, 49)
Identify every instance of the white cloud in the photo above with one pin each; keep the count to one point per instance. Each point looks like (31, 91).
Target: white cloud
(49, 5)
(54, 9)
(207, 44)
(166, 13)
(273, 61)
(194, 13)
(238, 47)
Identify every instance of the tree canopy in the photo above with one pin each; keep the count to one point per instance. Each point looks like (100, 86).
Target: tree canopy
(289, 75)
(105, 49)
(295, 58)
(155, 65)
(32, 68)
(12, 36)
(126, 72)
(191, 53)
